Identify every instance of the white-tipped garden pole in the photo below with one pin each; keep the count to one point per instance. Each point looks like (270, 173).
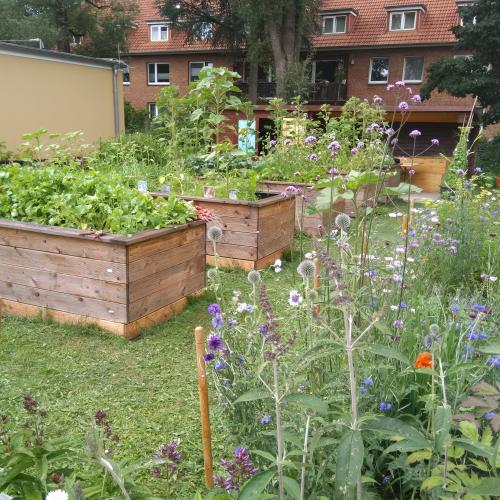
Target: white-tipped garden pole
(205, 415)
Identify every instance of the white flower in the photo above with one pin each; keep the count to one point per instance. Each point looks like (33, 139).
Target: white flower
(388, 258)
(310, 255)
(394, 308)
(242, 307)
(435, 219)
(410, 259)
(393, 215)
(236, 296)
(295, 298)
(57, 495)
(493, 278)
(277, 265)
(400, 249)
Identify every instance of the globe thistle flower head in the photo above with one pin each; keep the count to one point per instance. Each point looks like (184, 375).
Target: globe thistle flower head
(415, 133)
(212, 274)
(214, 234)
(343, 221)
(254, 277)
(306, 269)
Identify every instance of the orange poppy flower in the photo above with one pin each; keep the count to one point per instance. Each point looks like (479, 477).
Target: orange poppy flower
(424, 360)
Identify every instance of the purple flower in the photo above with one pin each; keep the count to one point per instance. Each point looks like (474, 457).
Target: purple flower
(452, 249)
(313, 157)
(272, 143)
(239, 470)
(360, 145)
(478, 170)
(368, 382)
(287, 142)
(265, 419)
(435, 142)
(490, 415)
(400, 83)
(494, 361)
(394, 141)
(333, 172)
(460, 171)
(217, 321)
(403, 106)
(479, 308)
(214, 309)
(415, 133)
(383, 406)
(390, 132)
(209, 356)
(416, 98)
(378, 100)
(335, 145)
(411, 171)
(387, 479)
(220, 365)
(390, 87)
(215, 343)
(397, 278)
(454, 308)
(398, 324)
(310, 139)
(354, 151)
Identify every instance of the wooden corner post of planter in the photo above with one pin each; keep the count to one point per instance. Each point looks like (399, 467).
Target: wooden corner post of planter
(204, 410)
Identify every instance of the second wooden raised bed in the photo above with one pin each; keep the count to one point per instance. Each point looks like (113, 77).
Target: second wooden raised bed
(255, 233)
(120, 283)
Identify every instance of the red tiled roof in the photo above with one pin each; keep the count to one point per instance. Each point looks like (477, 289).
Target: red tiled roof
(371, 27)
(368, 29)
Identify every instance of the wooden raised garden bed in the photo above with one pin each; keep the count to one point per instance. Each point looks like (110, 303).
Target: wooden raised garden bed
(255, 233)
(119, 283)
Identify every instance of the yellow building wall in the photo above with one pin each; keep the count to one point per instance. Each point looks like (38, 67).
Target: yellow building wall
(58, 96)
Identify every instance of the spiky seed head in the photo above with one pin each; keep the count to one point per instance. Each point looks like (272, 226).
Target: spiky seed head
(343, 221)
(306, 269)
(212, 274)
(254, 277)
(214, 233)
(434, 329)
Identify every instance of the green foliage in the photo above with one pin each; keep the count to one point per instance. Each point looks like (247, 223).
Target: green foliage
(488, 156)
(87, 200)
(136, 120)
(477, 75)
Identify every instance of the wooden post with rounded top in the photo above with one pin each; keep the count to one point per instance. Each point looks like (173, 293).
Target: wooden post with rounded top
(204, 411)
(404, 225)
(316, 280)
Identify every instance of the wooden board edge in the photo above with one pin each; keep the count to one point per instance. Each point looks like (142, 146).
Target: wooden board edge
(269, 259)
(247, 265)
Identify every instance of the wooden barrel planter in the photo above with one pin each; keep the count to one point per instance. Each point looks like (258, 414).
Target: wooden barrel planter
(255, 233)
(119, 283)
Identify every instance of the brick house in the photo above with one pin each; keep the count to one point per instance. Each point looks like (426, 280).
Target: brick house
(362, 47)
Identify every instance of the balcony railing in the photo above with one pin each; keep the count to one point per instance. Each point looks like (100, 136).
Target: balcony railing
(321, 92)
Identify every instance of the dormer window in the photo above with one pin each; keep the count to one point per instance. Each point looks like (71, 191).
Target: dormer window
(404, 17)
(334, 24)
(158, 32)
(402, 21)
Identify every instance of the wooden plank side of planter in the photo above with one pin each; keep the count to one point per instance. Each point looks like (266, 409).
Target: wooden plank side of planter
(167, 295)
(77, 247)
(276, 227)
(64, 283)
(144, 249)
(153, 264)
(85, 306)
(65, 264)
(233, 251)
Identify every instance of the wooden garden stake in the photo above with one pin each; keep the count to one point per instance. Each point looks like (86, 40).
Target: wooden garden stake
(404, 225)
(316, 280)
(205, 415)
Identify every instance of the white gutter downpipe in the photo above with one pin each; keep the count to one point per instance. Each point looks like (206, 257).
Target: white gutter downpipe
(116, 103)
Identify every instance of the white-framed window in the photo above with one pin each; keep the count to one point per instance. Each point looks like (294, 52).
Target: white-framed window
(158, 32)
(77, 39)
(379, 70)
(203, 31)
(152, 110)
(402, 21)
(334, 24)
(413, 69)
(196, 67)
(126, 76)
(158, 74)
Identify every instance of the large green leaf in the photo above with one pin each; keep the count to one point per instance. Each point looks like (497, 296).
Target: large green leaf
(397, 429)
(490, 348)
(401, 190)
(350, 457)
(442, 424)
(487, 486)
(387, 352)
(253, 396)
(256, 485)
(292, 488)
(309, 402)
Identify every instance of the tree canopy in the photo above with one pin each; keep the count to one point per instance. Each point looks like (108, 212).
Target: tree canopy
(479, 73)
(102, 25)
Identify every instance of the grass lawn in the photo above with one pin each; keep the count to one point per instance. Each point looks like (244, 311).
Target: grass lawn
(148, 386)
